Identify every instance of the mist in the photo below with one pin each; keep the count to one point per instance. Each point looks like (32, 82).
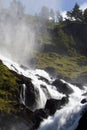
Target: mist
(19, 30)
(17, 36)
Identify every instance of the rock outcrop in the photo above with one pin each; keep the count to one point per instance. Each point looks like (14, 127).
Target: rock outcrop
(62, 87)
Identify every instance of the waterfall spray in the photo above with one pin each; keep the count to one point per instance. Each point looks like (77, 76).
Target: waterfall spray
(17, 37)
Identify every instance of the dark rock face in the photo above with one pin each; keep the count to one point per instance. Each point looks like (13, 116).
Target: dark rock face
(53, 104)
(30, 95)
(84, 101)
(50, 108)
(79, 85)
(43, 79)
(39, 115)
(83, 122)
(30, 92)
(10, 122)
(62, 87)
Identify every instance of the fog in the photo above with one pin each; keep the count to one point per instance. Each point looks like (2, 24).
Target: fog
(17, 36)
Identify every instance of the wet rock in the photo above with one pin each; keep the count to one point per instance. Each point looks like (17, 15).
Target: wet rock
(30, 94)
(62, 87)
(45, 90)
(79, 85)
(43, 79)
(84, 101)
(39, 115)
(53, 104)
(82, 122)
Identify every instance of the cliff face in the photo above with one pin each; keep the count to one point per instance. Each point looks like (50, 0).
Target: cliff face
(18, 97)
(11, 109)
(65, 51)
(79, 33)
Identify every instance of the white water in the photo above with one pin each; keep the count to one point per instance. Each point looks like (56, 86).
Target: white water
(22, 94)
(66, 118)
(17, 36)
(42, 96)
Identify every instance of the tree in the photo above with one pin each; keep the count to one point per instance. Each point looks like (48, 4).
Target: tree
(59, 17)
(44, 13)
(77, 13)
(85, 15)
(69, 15)
(52, 14)
(17, 8)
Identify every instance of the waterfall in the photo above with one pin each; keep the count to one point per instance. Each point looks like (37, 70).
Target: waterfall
(23, 94)
(68, 116)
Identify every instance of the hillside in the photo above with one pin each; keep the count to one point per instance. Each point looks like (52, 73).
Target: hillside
(64, 49)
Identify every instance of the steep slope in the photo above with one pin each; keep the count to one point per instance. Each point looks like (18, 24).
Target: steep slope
(27, 97)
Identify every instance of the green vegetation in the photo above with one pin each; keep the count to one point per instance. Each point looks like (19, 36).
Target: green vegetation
(8, 88)
(64, 44)
(66, 66)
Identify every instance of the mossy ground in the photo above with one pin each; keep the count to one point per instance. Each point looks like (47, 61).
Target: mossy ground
(8, 87)
(67, 66)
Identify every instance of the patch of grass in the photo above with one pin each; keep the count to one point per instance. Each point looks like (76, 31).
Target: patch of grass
(8, 88)
(7, 106)
(65, 65)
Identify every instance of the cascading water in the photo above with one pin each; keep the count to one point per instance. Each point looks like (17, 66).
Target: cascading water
(68, 117)
(23, 94)
(17, 37)
(45, 90)
(65, 118)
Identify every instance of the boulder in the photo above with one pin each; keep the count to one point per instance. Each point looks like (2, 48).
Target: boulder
(82, 122)
(43, 79)
(39, 115)
(84, 101)
(53, 104)
(62, 87)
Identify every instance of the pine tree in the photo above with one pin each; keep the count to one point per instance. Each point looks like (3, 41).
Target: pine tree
(52, 14)
(69, 15)
(44, 13)
(77, 13)
(59, 17)
(85, 15)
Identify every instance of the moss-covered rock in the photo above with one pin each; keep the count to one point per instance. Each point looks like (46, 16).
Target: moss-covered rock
(8, 89)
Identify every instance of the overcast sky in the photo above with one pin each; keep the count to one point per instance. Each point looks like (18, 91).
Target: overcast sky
(32, 6)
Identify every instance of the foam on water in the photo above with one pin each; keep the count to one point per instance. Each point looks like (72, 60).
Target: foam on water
(64, 119)
(67, 118)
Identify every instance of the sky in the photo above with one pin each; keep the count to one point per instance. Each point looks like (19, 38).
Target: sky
(67, 5)
(34, 6)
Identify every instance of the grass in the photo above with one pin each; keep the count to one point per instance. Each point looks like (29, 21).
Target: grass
(65, 65)
(8, 88)
(7, 106)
